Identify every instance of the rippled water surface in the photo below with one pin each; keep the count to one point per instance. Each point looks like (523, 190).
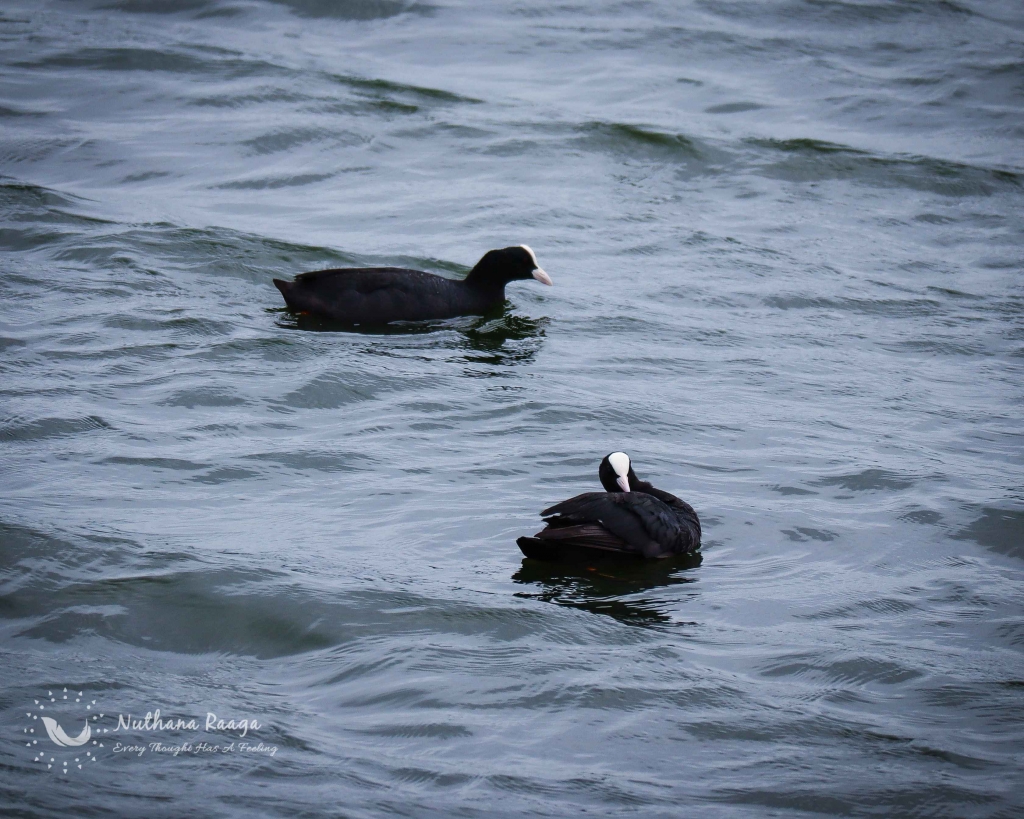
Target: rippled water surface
(786, 240)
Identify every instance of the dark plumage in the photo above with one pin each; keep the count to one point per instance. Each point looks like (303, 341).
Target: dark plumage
(631, 519)
(379, 295)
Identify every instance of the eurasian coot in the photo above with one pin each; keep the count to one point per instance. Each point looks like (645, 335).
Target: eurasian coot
(631, 519)
(379, 295)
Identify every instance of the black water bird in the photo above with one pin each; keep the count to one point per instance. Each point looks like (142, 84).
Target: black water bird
(631, 519)
(379, 295)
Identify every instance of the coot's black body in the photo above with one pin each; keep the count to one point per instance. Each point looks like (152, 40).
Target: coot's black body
(379, 295)
(633, 519)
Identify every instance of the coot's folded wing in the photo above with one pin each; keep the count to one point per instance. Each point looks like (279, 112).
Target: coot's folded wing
(614, 511)
(645, 523)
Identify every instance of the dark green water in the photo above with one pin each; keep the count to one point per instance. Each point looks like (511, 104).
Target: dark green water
(786, 240)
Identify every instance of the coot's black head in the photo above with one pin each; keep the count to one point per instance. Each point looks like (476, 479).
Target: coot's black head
(616, 473)
(498, 267)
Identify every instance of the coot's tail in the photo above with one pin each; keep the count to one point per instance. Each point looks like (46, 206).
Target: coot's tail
(536, 548)
(286, 290)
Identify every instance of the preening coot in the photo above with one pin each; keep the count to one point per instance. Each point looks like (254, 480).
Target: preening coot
(378, 295)
(632, 518)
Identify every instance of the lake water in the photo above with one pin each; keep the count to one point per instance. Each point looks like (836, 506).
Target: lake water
(786, 240)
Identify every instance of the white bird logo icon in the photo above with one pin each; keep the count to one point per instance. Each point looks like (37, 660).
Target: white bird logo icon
(56, 733)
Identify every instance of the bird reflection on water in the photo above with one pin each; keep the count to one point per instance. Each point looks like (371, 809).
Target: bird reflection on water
(500, 337)
(614, 587)
(505, 339)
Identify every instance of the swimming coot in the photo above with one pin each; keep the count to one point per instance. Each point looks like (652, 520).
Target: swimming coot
(631, 519)
(378, 295)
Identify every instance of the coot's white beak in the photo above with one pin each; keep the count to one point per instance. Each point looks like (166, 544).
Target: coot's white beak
(541, 276)
(623, 481)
